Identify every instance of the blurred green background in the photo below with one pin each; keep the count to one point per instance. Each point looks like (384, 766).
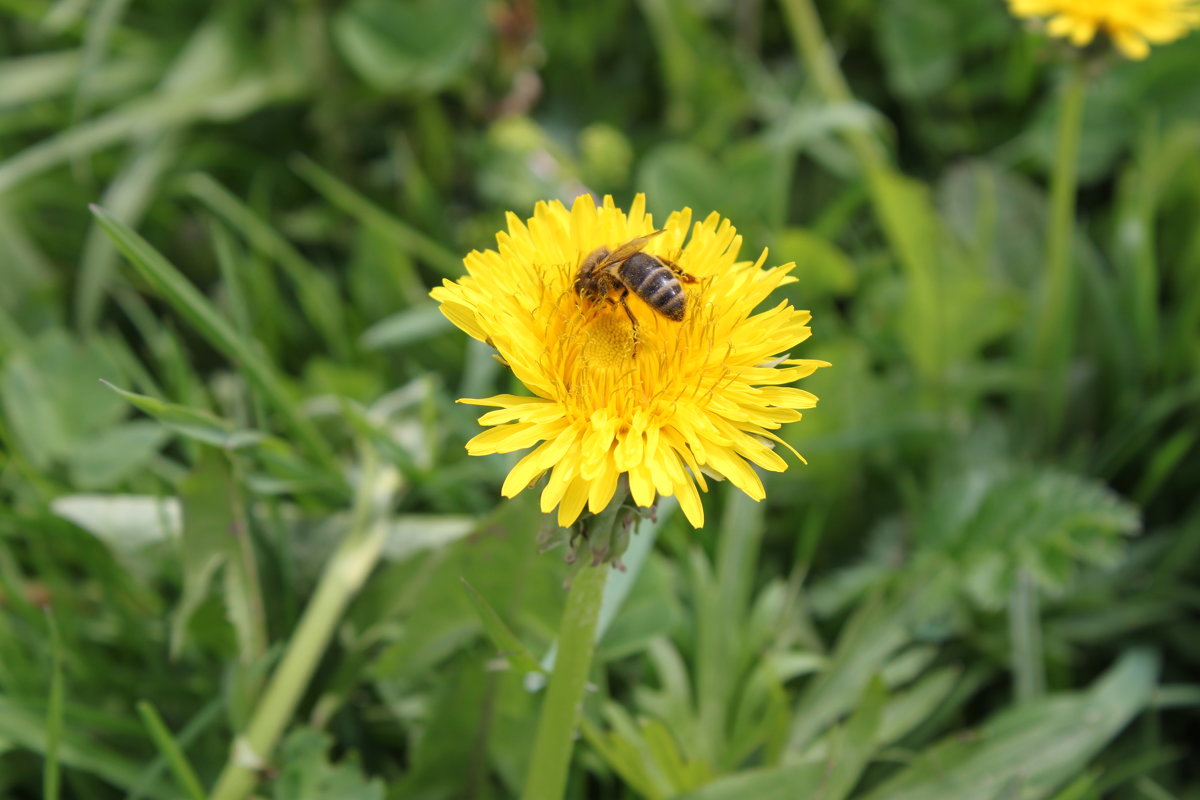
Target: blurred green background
(982, 586)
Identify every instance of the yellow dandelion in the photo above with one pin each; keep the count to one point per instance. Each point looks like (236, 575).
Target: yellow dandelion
(1133, 25)
(663, 405)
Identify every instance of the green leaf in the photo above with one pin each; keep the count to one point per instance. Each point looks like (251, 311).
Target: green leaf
(306, 773)
(411, 534)
(213, 537)
(37, 76)
(873, 635)
(821, 266)
(650, 610)
(171, 751)
(51, 774)
(194, 423)
(499, 561)
(1045, 744)
(113, 454)
(128, 523)
(51, 399)
(188, 301)
(407, 327)
(774, 783)
(747, 185)
(444, 762)
(128, 196)
(381, 222)
(646, 754)
(315, 290)
(909, 708)
(994, 521)
(506, 642)
(27, 728)
(415, 46)
(914, 232)
(918, 42)
(156, 110)
(851, 748)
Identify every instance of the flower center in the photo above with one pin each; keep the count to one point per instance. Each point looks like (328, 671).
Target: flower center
(609, 343)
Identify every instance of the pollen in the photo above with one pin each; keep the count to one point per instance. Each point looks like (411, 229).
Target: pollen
(608, 346)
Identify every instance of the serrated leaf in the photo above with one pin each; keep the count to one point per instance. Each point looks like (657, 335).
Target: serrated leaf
(996, 520)
(306, 773)
(211, 532)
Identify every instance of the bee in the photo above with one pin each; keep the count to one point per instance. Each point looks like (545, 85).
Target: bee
(658, 281)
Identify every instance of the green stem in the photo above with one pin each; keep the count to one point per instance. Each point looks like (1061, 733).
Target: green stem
(343, 577)
(1025, 634)
(822, 66)
(903, 211)
(555, 739)
(1053, 331)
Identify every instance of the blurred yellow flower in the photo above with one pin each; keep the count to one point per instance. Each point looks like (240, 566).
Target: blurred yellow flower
(1133, 25)
(685, 398)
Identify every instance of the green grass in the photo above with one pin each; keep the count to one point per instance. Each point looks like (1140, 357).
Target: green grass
(241, 543)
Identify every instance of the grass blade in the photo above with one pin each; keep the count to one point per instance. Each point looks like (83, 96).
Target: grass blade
(51, 778)
(127, 196)
(159, 110)
(313, 290)
(374, 217)
(171, 752)
(506, 642)
(406, 327)
(196, 308)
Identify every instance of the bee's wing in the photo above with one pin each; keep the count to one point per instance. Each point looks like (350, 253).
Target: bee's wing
(628, 249)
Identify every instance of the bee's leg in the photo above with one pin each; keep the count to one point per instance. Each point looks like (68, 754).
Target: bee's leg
(683, 277)
(629, 313)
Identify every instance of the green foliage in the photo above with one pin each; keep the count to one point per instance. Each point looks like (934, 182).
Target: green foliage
(306, 774)
(417, 47)
(225, 391)
(994, 522)
(1035, 746)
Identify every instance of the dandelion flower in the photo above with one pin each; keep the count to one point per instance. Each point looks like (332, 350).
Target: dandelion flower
(1133, 25)
(662, 406)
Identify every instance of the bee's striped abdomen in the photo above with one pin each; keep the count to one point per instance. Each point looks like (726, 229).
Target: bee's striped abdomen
(656, 284)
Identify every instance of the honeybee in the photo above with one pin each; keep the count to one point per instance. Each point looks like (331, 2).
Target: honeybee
(658, 281)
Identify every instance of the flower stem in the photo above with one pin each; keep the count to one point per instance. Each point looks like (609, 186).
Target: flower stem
(1025, 640)
(1051, 342)
(821, 63)
(343, 577)
(555, 739)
